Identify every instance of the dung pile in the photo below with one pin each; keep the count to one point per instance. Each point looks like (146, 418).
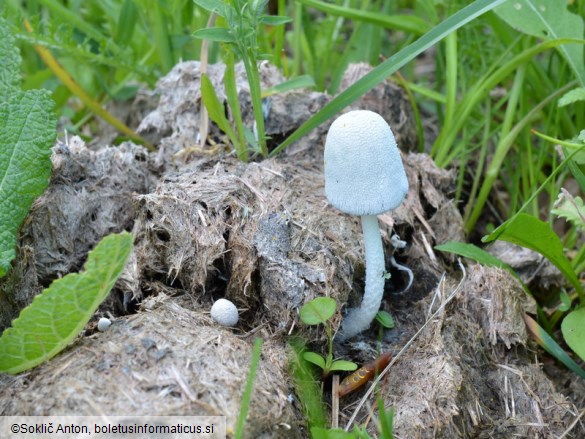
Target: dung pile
(263, 236)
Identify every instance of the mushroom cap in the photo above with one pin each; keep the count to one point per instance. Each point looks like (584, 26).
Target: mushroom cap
(224, 312)
(103, 324)
(364, 174)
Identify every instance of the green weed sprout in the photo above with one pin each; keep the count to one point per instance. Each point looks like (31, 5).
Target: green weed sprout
(319, 311)
(240, 40)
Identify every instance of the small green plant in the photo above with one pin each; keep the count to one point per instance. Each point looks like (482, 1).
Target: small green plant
(307, 388)
(239, 36)
(318, 312)
(309, 393)
(385, 320)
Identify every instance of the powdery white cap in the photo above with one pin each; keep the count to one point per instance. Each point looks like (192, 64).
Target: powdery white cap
(103, 324)
(364, 174)
(225, 313)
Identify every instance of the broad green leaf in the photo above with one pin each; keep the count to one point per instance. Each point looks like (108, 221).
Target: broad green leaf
(303, 81)
(548, 20)
(219, 34)
(575, 95)
(388, 67)
(27, 133)
(551, 346)
(56, 316)
(385, 319)
(318, 310)
(573, 328)
(125, 93)
(315, 359)
(343, 365)
(537, 235)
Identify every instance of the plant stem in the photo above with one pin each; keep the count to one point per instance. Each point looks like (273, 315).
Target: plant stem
(255, 93)
(360, 318)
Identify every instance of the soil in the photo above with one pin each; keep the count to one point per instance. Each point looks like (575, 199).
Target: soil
(261, 234)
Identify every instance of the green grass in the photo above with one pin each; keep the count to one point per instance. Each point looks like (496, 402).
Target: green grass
(247, 395)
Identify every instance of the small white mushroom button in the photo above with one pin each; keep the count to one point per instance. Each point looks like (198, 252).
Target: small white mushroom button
(225, 313)
(103, 324)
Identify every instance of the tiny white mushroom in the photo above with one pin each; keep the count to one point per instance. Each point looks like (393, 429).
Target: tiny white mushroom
(103, 324)
(364, 176)
(225, 313)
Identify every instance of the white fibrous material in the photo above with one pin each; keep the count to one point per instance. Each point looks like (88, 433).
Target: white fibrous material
(359, 319)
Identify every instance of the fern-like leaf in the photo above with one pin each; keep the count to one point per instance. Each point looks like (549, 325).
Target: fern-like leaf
(571, 208)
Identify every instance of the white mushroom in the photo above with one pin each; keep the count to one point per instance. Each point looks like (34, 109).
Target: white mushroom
(364, 176)
(103, 324)
(225, 313)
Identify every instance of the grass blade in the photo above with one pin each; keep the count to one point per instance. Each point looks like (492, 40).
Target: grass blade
(161, 36)
(471, 251)
(390, 66)
(406, 23)
(303, 81)
(548, 344)
(256, 351)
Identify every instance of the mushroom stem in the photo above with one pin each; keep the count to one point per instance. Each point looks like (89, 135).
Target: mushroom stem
(360, 318)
